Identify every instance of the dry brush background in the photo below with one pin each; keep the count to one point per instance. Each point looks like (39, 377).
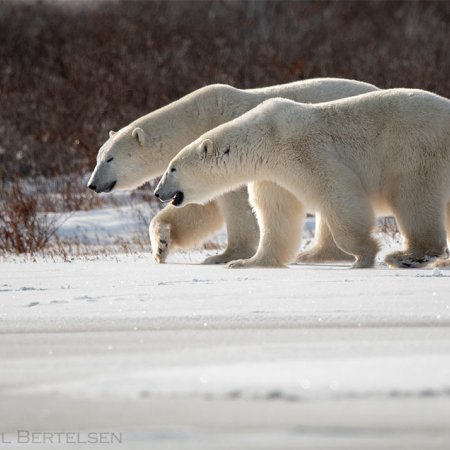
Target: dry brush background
(72, 70)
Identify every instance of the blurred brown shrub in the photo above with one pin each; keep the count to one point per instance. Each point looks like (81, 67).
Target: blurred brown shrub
(25, 226)
(22, 228)
(70, 71)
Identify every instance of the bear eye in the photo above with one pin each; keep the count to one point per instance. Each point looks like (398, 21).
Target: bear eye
(110, 159)
(173, 169)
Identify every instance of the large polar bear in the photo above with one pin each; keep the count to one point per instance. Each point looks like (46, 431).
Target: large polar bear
(381, 152)
(141, 151)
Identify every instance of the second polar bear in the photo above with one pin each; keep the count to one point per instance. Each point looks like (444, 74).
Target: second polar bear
(141, 151)
(381, 152)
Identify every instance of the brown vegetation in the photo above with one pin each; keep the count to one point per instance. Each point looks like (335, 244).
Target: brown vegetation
(70, 71)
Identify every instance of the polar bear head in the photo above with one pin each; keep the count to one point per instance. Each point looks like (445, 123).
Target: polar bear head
(182, 179)
(123, 161)
(201, 171)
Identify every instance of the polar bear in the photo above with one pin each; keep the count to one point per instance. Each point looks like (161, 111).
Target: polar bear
(380, 152)
(141, 151)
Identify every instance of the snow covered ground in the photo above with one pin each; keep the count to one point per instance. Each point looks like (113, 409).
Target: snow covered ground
(185, 356)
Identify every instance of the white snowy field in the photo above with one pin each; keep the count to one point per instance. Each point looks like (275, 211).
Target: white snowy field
(185, 356)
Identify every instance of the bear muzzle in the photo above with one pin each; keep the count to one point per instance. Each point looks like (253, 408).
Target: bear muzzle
(107, 187)
(177, 197)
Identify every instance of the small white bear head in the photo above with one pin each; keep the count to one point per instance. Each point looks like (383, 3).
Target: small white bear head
(197, 174)
(121, 161)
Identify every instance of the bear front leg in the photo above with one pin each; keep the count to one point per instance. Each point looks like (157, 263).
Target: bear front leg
(445, 262)
(280, 217)
(325, 249)
(183, 228)
(159, 231)
(351, 220)
(242, 227)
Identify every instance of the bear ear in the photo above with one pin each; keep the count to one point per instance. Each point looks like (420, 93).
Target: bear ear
(139, 135)
(112, 133)
(206, 148)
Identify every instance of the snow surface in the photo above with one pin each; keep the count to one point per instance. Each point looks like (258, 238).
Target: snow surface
(186, 356)
(104, 225)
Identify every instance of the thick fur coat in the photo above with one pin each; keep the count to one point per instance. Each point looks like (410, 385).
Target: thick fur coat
(141, 151)
(385, 152)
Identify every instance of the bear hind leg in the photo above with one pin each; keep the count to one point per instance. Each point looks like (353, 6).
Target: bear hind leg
(422, 224)
(445, 262)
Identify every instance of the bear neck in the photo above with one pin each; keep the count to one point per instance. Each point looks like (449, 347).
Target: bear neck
(260, 155)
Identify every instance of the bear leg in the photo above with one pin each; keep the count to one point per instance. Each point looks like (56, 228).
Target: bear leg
(325, 249)
(351, 222)
(280, 218)
(445, 263)
(421, 220)
(242, 227)
(160, 239)
(183, 227)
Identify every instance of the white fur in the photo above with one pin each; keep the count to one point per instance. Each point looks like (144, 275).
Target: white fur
(142, 150)
(377, 153)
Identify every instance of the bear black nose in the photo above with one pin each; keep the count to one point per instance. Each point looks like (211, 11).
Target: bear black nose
(156, 195)
(92, 186)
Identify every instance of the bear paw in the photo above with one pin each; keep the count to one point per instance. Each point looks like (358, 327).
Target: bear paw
(217, 259)
(160, 241)
(324, 255)
(364, 262)
(241, 264)
(408, 260)
(229, 255)
(442, 263)
(252, 263)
